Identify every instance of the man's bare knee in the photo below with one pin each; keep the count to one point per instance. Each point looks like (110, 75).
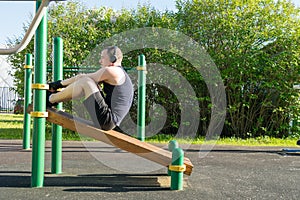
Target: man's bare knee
(88, 85)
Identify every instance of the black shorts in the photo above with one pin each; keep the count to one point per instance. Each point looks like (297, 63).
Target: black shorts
(99, 111)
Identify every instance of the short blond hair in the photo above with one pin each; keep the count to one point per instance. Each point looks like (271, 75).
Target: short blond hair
(114, 52)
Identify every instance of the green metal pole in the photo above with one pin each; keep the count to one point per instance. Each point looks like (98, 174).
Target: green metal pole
(141, 97)
(27, 100)
(177, 176)
(57, 70)
(173, 144)
(39, 104)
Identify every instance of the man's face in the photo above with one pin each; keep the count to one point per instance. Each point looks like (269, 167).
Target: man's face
(104, 60)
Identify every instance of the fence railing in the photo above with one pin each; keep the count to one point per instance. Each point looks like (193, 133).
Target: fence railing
(84, 70)
(8, 99)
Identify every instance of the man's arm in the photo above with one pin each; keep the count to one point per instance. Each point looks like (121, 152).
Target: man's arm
(69, 81)
(97, 76)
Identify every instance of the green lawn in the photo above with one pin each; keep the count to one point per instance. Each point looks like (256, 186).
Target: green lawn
(11, 127)
(262, 141)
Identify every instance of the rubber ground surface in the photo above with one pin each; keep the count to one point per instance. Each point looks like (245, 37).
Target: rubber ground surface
(92, 170)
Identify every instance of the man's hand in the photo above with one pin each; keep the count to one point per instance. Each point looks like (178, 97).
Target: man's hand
(53, 86)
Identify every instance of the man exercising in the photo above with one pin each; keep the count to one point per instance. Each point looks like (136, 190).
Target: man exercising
(106, 107)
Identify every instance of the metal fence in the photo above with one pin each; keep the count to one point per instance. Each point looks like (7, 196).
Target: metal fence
(8, 99)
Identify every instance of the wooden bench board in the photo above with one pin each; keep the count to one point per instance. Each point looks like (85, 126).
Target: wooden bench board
(114, 138)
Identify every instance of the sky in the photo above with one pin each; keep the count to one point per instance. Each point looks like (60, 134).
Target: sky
(13, 14)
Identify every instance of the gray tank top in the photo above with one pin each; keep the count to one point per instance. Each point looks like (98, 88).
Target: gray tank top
(119, 98)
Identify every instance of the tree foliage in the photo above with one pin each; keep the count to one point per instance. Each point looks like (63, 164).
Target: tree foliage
(255, 45)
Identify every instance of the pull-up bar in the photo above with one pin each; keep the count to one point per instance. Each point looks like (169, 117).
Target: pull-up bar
(30, 32)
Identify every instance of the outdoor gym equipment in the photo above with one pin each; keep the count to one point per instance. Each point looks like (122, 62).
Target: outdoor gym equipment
(39, 112)
(141, 97)
(177, 168)
(122, 141)
(27, 100)
(57, 70)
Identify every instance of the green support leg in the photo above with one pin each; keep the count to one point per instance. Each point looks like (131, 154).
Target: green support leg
(173, 144)
(39, 104)
(56, 160)
(141, 97)
(27, 100)
(177, 172)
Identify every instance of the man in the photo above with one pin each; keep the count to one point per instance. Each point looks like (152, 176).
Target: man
(106, 110)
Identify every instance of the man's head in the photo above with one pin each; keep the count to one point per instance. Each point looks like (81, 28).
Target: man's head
(111, 56)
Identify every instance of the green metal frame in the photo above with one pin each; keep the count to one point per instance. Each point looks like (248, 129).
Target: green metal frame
(177, 176)
(141, 97)
(27, 100)
(56, 159)
(173, 144)
(39, 105)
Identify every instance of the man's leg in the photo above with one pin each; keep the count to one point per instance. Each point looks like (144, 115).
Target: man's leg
(94, 102)
(83, 87)
(99, 111)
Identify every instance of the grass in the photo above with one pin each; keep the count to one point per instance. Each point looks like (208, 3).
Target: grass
(11, 127)
(261, 141)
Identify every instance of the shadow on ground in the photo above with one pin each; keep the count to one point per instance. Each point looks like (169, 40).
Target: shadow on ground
(244, 151)
(89, 182)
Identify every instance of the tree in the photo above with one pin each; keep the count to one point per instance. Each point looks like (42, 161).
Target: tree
(255, 44)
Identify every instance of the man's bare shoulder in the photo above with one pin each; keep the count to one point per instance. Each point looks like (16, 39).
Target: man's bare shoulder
(115, 75)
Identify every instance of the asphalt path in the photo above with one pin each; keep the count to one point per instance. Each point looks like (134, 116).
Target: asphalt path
(93, 170)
